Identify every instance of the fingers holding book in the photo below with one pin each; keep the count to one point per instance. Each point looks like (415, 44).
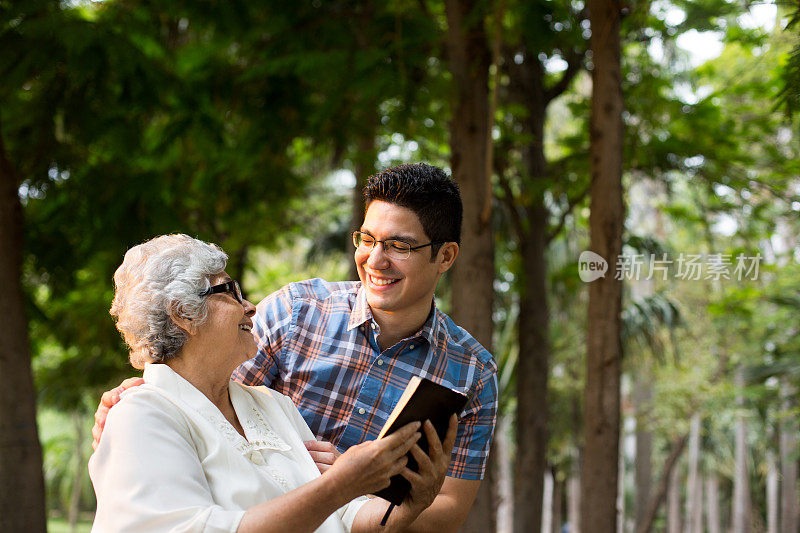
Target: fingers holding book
(428, 481)
(367, 467)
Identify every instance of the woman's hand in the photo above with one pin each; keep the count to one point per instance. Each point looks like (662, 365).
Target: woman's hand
(367, 467)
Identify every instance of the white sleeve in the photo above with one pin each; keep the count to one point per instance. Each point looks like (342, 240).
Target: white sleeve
(147, 475)
(347, 514)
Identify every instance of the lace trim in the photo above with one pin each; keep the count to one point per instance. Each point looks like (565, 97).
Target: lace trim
(278, 476)
(269, 440)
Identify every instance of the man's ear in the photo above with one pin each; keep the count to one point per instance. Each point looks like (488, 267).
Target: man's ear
(447, 256)
(185, 323)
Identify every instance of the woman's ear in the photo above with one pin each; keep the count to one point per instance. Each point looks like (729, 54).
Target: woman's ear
(447, 256)
(185, 323)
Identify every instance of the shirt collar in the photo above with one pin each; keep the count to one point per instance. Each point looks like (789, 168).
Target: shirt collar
(258, 430)
(163, 377)
(362, 313)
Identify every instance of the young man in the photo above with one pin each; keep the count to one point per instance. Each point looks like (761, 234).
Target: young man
(345, 351)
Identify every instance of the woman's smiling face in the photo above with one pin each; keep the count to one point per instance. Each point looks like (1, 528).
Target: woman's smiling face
(227, 329)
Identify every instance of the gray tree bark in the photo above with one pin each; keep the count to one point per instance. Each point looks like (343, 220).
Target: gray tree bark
(713, 524)
(574, 495)
(694, 503)
(547, 502)
(604, 348)
(788, 452)
(674, 502)
(643, 466)
(740, 512)
(773, 502)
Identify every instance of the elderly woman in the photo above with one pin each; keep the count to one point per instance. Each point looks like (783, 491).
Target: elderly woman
(191, 450)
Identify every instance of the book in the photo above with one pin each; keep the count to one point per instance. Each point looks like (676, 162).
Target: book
(421, 400)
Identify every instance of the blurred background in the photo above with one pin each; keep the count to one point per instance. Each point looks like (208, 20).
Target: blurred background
(253, 124)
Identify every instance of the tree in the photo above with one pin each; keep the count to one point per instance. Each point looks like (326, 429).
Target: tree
(473, 275)
(535, 34)
(21, 480)
(604, 349)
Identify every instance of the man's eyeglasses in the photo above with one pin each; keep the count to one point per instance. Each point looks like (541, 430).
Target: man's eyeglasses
(231, 287)
(393, 248)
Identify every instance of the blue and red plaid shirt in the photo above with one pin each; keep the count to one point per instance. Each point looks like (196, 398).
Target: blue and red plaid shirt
(318, 344)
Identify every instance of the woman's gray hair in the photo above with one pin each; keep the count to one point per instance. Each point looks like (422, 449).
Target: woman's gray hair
(157, 278)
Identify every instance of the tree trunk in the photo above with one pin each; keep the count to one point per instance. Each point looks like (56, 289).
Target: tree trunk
(788, 451)
(527, 87)
(473, 274)
(740, 515)
(643, 465)
(363, 167)
(558, 501)
(505, 483)
(621, 474)
(532, 374)
(547, 502)
(21, 481)
(713, 524)
(773, 505)
(697, 512)
(604, 348)
(644, 215)
(694, 510)
(574, 496)
(674, 502)
(669, 482)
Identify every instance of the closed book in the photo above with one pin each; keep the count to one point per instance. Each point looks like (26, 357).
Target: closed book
(422, 400)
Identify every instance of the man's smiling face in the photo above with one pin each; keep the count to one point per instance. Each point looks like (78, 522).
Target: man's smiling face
(397, 285)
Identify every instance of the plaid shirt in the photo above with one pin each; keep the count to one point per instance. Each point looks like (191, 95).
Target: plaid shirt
(318, 344)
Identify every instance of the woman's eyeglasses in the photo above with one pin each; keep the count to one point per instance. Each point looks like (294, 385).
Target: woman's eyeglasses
(231, 287)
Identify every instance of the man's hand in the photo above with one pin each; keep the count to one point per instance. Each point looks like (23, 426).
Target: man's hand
(427, 483)
(107, 401)
(324, 453)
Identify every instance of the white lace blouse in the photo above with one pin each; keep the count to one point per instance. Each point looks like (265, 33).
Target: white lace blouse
(169, 461)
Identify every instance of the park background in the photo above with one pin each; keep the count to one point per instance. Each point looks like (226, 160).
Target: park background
(665, 400)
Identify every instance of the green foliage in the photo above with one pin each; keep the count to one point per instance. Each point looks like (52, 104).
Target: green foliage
(66, 438)
(790, 75)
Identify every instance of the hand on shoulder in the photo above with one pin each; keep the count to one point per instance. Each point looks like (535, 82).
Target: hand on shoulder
(108, 400)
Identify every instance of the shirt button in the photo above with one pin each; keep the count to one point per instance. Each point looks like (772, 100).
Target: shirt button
(257, 458)
(411, 347)
(380, 362)
(361, 410)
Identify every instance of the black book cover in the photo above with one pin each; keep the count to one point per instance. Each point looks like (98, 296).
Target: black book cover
(422, 400)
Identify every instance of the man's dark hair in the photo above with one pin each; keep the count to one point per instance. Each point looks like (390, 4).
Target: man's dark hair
(428, 192)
